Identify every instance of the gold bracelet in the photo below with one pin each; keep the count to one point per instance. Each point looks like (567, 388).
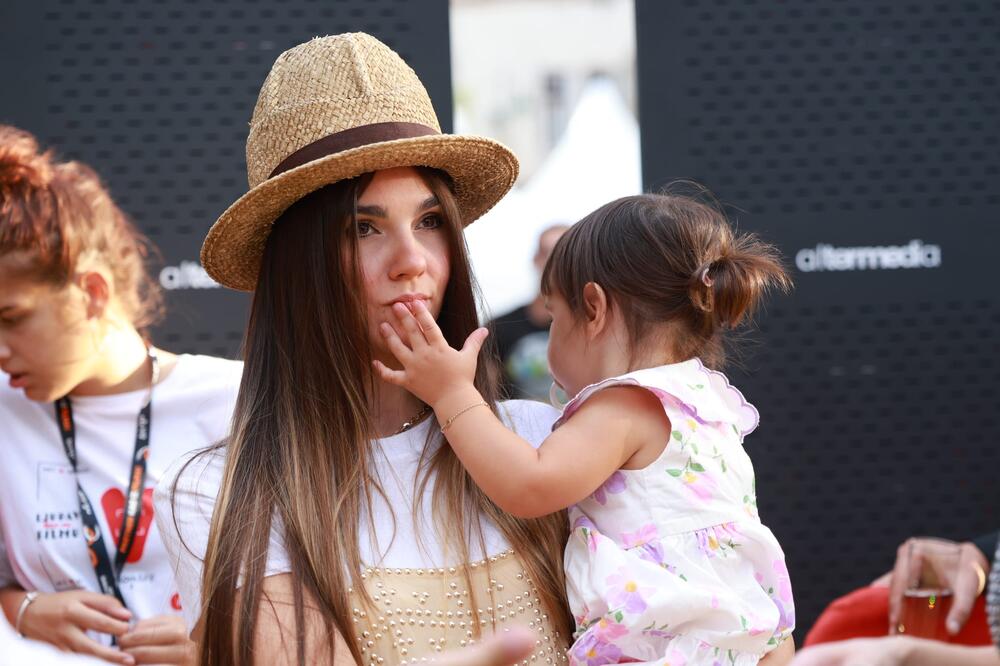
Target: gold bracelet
(982, 577)
(447, 424)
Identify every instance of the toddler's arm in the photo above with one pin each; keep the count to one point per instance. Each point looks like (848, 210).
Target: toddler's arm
(571, 463)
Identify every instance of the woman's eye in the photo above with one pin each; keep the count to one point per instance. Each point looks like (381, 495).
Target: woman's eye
(365, 229)
(431, 222)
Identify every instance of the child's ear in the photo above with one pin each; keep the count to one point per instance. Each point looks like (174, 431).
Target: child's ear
(595, 307)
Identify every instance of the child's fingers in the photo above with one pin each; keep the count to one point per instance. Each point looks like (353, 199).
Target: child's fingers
(395, 345)
(409, 325)
(397, 377)
(429, 327)
(475, 341)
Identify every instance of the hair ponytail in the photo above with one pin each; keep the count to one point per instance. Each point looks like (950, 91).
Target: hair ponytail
(737, 281)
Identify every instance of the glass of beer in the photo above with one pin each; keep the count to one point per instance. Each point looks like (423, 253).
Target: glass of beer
(924, 613)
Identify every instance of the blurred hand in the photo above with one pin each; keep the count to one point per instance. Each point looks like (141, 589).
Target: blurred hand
(63, 619)
(503, 649)
(938, 563)
(889, 651)
(159, 640)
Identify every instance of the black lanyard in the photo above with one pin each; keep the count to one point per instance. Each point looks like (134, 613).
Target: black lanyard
(107, 575)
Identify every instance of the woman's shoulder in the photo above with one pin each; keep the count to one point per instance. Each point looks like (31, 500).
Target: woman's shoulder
(203, 388)
(212, 362)
(200, 372)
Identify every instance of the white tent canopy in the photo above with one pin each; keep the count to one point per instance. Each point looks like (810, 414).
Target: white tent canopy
(596, 160)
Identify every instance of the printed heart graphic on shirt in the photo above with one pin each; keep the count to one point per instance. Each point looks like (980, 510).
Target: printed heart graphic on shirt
(113, 502)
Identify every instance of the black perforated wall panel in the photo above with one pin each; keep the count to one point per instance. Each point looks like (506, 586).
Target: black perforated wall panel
(157, 97)
(861, 136)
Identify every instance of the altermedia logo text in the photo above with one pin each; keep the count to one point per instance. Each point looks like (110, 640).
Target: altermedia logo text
(825, 257)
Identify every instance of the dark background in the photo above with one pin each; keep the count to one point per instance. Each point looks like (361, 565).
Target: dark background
(847, 122)
(852, 123)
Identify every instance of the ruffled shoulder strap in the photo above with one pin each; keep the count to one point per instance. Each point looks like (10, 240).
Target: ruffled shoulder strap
(703, 394)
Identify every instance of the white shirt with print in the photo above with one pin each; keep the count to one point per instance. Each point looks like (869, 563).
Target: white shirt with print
(41, 542)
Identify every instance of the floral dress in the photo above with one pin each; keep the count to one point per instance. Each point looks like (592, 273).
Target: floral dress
(670, 564)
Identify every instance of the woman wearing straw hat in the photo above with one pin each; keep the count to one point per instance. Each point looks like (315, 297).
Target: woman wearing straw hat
(333, 525)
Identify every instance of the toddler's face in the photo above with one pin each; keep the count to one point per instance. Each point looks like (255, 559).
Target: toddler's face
(567, 347)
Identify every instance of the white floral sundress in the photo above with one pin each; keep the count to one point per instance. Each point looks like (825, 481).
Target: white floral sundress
(670, 564)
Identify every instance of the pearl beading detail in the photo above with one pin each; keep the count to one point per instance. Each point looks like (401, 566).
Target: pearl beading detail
(421, 612)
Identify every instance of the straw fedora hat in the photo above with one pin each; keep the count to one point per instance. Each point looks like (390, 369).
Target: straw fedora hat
(334, 108)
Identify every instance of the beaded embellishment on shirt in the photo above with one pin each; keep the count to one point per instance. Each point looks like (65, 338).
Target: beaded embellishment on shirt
(421, 612)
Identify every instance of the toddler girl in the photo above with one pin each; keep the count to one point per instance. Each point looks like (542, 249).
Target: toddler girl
(668, 561)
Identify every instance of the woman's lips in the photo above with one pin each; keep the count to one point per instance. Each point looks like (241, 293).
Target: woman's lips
(19, 380)
(408, 301)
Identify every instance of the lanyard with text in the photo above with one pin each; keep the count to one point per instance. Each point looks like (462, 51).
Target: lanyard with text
(107, 575)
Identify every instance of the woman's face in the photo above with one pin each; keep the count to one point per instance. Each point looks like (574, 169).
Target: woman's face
(47, 341)
(402, 249)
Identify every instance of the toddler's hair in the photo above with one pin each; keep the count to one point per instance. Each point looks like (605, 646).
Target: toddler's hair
(667, 258)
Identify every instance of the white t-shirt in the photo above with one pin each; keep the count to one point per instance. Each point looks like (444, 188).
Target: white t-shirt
(41, 542)
(396, 459)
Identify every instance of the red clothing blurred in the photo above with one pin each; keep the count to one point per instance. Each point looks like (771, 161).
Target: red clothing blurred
(865, 612)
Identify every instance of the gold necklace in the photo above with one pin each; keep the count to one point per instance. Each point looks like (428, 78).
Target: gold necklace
(413, 420)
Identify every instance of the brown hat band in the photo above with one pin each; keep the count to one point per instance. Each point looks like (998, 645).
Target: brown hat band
(354, 137)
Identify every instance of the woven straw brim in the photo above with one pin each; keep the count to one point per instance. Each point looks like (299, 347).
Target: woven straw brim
(482, 171)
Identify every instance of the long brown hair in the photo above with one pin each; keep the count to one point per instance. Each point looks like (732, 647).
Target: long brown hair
(668, 257)
(307, 375)
(58, 214)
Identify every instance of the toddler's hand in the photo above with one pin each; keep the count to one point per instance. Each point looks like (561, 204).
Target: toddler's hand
(431, 368)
